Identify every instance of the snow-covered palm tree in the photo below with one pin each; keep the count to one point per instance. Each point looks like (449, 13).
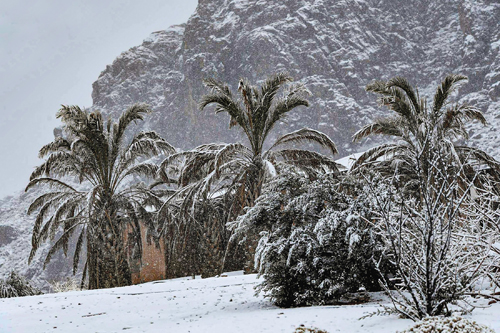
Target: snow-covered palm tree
(235, 173)
(416, 127)
(89, 172)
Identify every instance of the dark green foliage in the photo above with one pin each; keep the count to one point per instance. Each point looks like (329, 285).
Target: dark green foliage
(317, 246)
(16, 285)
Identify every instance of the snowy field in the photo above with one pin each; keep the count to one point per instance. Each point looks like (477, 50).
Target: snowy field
(225, 304)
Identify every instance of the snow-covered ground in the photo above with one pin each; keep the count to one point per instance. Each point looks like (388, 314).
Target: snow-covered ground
(224, 304)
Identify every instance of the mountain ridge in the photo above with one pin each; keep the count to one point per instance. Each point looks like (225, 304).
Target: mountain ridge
(334, 47)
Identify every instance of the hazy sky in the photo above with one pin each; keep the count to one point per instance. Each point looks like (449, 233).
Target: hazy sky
(51, 51)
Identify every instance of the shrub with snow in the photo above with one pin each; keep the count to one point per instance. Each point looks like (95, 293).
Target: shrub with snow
(303, 329)
(16, 285)
(448, 325)
(439, 240)
(69, 284)
(317, 246)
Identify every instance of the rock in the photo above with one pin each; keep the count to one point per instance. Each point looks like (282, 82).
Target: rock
(7, 234)
(335, 47)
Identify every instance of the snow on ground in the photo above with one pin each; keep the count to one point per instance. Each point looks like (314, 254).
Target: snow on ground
(224, 304)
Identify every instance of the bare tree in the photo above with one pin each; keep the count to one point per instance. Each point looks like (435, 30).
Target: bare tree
(437, 239)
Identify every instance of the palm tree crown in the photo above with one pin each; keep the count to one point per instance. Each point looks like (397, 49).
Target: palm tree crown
(256, 110)
(419, 129)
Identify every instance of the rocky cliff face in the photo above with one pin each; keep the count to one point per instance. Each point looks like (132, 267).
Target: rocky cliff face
(334, 47)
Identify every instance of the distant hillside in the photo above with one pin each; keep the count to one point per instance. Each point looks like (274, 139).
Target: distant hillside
(334, 47)
(15, 243)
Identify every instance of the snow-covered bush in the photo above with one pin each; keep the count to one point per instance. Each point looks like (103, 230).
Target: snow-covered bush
(303, 329)
(16, 285)
(438, 241)
(316, 246)
(448, 325)
(68, 284)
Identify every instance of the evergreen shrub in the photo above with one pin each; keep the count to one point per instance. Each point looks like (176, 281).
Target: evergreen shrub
(317, 246)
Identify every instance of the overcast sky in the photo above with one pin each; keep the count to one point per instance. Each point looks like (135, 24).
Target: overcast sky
(51, 51)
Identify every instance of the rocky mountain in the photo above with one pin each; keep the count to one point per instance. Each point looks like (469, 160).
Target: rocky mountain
(335, 47)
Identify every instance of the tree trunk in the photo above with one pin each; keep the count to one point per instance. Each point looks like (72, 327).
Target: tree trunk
(108, 265)
(250, 247)
(252, 238)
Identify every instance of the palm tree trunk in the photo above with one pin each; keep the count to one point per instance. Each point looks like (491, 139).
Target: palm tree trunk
(252, 238)
(108, 265)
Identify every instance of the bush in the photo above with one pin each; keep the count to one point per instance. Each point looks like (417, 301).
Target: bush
(69, 284)
(438, 240)
(17, 286)
(449, 325)
(316, 246)
(303, 329)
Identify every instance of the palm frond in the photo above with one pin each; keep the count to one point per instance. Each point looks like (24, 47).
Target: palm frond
(224, 103)
(78, 250)
(228, 152)
(448, 85)
(281, 108)
(46, 207)
(43, 199)
(373, 154)
(269, 90)
(217, 86)
(60, 162)
(65, 209)
(72, 116)
(144, 169)
(387, 126)
(303, 159)
(404, 85)
(58, 144)
(59, 244)
(148, 144)
(307, 135)
(378, 87)
(134, 113)
(479, 155)
(51, 182)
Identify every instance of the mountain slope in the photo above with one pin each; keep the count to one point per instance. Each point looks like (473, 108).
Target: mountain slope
(334, 47)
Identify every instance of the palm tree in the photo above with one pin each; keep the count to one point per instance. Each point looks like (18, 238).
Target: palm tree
(88, 172)
(235, 173)
(421, 132)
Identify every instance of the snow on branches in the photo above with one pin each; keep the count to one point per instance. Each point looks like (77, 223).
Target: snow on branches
(438, 240)
(316, 244)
